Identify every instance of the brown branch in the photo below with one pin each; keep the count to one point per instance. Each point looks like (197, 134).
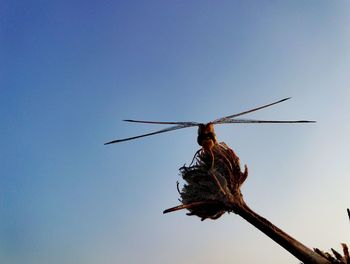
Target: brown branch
(300, 251)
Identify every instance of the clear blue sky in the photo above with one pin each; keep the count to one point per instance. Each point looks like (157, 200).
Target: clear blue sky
(71, 70)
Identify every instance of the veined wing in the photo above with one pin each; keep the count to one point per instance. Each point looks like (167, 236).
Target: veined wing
(248, 121)
(185, 124)
(150, 134)
(224, 119)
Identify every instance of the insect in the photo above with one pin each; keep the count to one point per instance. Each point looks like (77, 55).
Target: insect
(213, 181)
(206, 135)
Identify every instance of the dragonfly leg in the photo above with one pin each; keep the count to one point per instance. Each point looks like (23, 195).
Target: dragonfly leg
(194, 157)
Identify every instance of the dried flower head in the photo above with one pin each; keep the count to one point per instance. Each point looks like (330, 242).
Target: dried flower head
(212, 183)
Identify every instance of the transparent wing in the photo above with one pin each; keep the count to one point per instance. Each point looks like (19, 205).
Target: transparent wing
(186, 124)
(223, 119)
(247, 121)
(150, 134)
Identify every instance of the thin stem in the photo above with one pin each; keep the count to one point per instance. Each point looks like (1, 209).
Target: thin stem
(296, 248)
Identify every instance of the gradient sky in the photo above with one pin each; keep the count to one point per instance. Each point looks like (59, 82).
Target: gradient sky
(70, 71)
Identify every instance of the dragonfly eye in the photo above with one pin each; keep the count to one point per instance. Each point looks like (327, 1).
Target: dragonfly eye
(206, 136)
(205, 133)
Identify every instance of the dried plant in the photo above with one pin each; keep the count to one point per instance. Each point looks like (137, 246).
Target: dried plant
(212, 183)
(337, 258)
(212, 187)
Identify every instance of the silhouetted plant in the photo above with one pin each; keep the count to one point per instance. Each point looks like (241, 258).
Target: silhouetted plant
(212, 187)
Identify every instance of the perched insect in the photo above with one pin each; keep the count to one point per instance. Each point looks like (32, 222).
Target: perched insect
(213, 182)
(206, 135)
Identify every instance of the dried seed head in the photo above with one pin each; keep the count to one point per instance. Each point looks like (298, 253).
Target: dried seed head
(212, 183)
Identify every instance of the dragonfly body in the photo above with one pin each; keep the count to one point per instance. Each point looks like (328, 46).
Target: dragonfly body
(206, 136)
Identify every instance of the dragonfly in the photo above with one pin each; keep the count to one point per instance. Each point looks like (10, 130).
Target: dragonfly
(206, 135)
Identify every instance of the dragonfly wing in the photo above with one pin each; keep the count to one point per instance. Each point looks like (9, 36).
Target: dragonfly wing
(185, 124)
(149, 134)
(223, 119)
(248, 121)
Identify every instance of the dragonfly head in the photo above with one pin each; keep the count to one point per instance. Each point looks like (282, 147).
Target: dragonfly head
(206, 135)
